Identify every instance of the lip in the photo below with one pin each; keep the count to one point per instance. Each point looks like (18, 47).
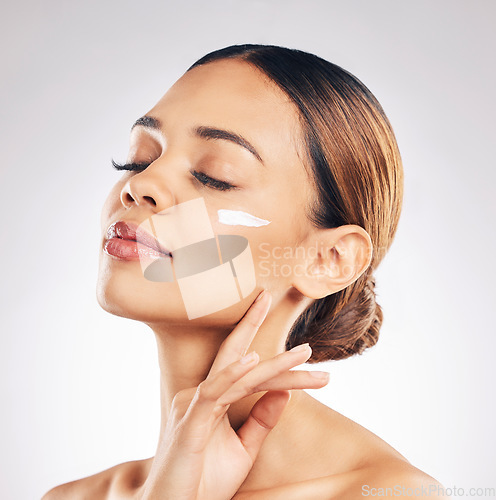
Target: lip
(132, 232)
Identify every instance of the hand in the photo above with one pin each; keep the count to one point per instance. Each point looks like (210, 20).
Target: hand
(200, 456)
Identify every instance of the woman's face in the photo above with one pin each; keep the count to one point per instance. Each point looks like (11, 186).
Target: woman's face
(270, 182)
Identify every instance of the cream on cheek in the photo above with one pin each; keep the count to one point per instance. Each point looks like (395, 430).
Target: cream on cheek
(240, 218)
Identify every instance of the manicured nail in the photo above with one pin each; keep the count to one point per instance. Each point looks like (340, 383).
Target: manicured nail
(248, 358)
(300, 348)
(260, 296)
(320, 375)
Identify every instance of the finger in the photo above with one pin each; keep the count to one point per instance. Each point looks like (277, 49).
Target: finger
(211, 389)
(294, 379)
(239, 340)
(262, 419)
(266, 371)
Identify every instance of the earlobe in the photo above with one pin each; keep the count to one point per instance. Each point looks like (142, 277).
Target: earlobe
(342, 255)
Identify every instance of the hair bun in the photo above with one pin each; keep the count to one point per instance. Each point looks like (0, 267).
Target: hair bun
(337, 328)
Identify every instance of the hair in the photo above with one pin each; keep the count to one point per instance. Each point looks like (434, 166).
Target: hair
(358, 178)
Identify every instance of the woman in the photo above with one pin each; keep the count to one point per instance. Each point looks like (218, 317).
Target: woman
(264, 173)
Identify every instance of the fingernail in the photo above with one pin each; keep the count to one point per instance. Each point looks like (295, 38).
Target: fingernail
(248, 358)
(320, 375)
(301, 347)
(260, 296)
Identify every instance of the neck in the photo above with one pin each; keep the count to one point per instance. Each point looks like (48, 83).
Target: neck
(186, 354)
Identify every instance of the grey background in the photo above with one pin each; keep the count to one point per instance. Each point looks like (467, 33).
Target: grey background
(79, 387)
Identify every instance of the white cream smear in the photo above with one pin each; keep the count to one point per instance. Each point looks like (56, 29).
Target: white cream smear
(239, 218)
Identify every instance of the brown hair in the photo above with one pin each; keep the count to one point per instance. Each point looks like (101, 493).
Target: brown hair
(358, 176)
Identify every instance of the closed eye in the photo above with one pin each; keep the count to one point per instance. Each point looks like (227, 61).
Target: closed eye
(130, 166)
(204, 179)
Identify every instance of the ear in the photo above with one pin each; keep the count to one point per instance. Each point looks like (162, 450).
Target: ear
(332, 260)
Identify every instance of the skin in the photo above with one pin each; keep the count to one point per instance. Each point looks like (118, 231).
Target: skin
(284, 443)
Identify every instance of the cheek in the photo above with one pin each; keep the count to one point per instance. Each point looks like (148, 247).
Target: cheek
(275, 254)
(273, 248)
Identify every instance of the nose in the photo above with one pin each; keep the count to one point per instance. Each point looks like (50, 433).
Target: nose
(147, 189)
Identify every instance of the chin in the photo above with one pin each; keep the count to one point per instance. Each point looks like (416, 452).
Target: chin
(139, 299)
(122, 291)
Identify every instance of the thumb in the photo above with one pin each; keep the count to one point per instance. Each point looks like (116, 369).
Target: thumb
(262, 419)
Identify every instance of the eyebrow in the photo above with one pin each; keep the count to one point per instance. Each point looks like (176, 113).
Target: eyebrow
(204, 133)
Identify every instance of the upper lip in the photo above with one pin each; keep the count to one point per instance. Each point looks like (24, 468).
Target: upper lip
(128, 230)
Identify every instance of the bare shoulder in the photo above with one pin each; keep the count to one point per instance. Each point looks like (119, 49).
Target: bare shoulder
(375, 468)
(116, 482)
(394, 479)
(342, 461)
(96, 486)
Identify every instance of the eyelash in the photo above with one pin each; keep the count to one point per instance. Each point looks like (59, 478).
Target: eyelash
(204, 179)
